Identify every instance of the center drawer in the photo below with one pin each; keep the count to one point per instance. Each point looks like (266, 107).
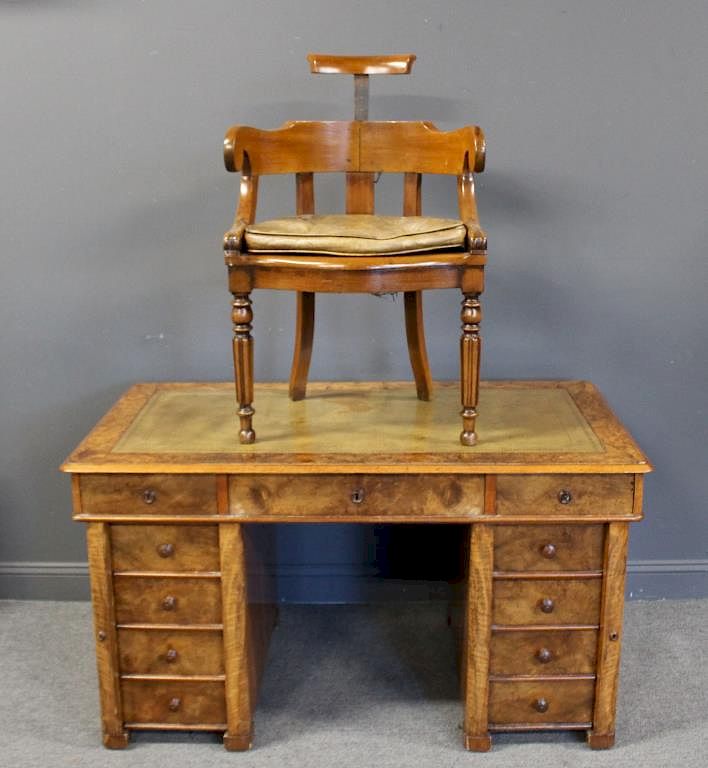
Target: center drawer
(384, 497)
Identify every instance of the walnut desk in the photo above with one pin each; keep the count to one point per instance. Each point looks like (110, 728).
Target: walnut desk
(175, 510)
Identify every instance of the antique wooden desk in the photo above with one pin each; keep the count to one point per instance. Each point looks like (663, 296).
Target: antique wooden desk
(175, 509)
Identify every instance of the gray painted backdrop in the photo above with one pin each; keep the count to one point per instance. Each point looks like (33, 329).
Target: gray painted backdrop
(114, 199)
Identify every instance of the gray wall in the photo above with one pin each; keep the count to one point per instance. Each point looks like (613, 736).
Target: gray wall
(114, 200)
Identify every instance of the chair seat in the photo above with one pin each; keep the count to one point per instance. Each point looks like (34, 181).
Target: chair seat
(355, 235)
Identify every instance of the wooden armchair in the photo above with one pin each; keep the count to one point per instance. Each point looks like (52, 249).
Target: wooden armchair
(357, 252)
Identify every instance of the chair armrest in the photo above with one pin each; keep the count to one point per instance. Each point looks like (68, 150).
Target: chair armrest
(233, 239)
(476, 236)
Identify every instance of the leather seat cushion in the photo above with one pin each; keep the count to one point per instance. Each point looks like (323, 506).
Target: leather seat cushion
(355, 235)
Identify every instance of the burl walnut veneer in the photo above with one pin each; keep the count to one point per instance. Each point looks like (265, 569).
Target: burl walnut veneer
(179, 518)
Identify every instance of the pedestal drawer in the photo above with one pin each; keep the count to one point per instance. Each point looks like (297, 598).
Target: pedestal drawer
(171, 652)
(148, 495)
(541, 702)
(545, 495)
(455, 497)
(183, 702)
(546, 601)
(165, 547)
(548, 547)
(167, 600)
(543, 652)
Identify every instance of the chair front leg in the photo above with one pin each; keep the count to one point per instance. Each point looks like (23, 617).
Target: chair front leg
(415, 336)
(470, 353)
(302, 354)
(242, 318)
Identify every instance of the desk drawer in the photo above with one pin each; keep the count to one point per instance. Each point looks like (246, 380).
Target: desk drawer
(543, 652)
(165, 547)
(167, 600)
(548, 547)
(545, 495)
(183, 702)
(540, 702)
(546, 601)
(171, 651)
(384, 497)
(148, 495)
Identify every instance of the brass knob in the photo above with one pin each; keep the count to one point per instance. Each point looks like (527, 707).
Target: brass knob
(102, 635)
(171, 655)
(544, 655)
(358, 496)
(166, 550)
(169, 603)
(540, 705)
(547, 605)
(175, 704)
(149, 496)
(564, 496)
(549, 551)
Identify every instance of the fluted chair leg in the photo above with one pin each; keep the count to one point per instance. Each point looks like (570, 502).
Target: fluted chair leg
(470, 353)
(242, 318)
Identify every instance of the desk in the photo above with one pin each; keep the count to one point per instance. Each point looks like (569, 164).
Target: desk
(177, 515)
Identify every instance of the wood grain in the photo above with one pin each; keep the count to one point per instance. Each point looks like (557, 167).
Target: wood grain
(104, 621)
(548, 547)
(543, 652)
(149, 494)
(331, 497)
(569, 701)
(171, 651)
(610, 642)
(477, 634)
(167, 600)
(165, 547)
(597, 495)
(518, 601)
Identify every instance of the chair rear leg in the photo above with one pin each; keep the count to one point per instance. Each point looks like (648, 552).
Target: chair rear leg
(302, 354)
(470, 352)
(415, 336)
(242, 318)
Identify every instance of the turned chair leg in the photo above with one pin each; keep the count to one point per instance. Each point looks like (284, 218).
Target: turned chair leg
(470, 349)
(242, 318)
(415, 336)
(302, 354)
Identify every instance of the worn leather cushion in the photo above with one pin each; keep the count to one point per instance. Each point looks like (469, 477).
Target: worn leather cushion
(355, 234)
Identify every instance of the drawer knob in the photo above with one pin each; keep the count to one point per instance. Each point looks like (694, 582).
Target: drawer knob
(175, 704)
(171, 655)
(149, 496)
(166, 550)
(358, 496)
(565, 496)
(544, 655)
(547, 605)
(169, 603)
(540, 705)
(548, 551)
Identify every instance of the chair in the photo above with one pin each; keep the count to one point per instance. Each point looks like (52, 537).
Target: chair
(357, 252)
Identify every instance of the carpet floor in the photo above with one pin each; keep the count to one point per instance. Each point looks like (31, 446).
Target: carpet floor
(352, 686)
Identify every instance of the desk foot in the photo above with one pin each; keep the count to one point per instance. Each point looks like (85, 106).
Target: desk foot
(600, 740)
(478, 743)
(116, 740)
(238, 742)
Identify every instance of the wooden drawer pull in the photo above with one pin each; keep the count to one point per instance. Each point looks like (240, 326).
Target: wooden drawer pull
(169, 603)
(544, 655)
(549, 551)
(358, 496)
(175, 704)
(565, 496)
(540, 705)
(149, 496)
(171, 655)
(547, 605)
(166, 550)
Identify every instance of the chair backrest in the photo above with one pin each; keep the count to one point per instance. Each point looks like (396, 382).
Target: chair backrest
(355, 148)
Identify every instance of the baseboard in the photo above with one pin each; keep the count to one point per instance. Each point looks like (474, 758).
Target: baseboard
(349, 583)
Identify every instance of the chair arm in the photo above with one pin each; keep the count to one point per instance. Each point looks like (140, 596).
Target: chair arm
(476, 236)
(233, 239)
